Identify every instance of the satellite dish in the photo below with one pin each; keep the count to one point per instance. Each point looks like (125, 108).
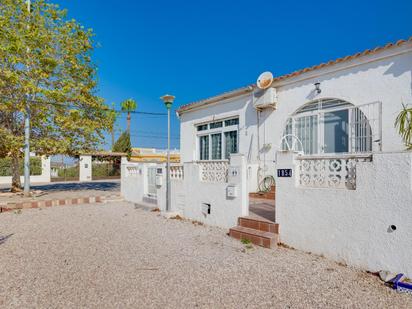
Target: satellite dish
(264, 80)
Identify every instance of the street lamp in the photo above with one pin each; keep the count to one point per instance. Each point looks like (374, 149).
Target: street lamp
(168, 101)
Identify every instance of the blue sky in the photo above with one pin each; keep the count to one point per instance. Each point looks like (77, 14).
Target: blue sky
(196, 49)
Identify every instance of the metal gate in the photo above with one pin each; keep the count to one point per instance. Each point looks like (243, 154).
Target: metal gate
(151, 182)
(64, 168)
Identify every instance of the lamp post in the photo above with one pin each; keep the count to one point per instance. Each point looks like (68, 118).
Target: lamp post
(168, 101)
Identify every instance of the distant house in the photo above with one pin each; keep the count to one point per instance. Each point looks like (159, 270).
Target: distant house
(348, 105)
(154, 155)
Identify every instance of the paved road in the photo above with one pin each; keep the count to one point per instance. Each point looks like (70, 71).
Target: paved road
(61, 190)
(116, 256)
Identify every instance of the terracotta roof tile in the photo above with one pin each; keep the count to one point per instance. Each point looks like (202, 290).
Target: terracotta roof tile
(296, 73)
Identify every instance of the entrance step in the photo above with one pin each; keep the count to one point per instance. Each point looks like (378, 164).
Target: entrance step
(257, 237)
(259, 224)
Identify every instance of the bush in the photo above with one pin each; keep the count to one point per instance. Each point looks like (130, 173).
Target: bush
(35, 166)
(123, 144)
(105, 169)
(68, 172)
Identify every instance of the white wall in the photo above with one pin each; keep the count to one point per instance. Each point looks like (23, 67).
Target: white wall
(385, 77)
(188, 194)
(352, 226)
(43, 178)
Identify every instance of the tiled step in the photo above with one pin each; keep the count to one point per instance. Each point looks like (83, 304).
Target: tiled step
(257, 237)
(259, 224)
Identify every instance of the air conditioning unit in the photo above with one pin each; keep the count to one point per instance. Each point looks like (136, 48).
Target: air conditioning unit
(265, 98)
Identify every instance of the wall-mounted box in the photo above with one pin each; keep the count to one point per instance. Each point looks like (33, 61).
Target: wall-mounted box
(231, 191)
(206, 208)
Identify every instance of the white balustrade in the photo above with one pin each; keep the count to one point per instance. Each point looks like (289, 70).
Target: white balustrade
(133, 171)
(338, 172)
(213, 171)
(176, 172)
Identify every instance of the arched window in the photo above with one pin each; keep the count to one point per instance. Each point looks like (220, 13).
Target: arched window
(332, 126)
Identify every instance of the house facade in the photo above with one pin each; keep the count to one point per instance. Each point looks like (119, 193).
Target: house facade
(345, 106)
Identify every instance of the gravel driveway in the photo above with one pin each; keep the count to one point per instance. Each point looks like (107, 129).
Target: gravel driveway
(116, 256)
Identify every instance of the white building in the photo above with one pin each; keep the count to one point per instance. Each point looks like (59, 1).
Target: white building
(354, 112)
(347, 193)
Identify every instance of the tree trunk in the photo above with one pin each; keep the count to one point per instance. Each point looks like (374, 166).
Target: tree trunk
(128, 122)
(15, 172)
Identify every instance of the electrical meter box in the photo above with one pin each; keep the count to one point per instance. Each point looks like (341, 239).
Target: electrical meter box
(231, 191)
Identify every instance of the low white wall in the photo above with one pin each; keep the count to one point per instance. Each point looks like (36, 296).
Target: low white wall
(43, 178)
(189, 193)
(132, 183)
(352, 226)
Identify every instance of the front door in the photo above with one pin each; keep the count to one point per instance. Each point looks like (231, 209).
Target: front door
(336, 132)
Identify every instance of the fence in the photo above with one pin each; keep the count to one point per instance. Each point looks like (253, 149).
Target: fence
(176, 172)
(329, 172)
(40, 172)
(199, 190)
(213, 171)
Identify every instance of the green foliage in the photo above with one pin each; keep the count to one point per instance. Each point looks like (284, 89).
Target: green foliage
(69, 172)
(105, 169)
(404, 125)
(123, 144)
(35, 166)
(129, 105)
(46, 64)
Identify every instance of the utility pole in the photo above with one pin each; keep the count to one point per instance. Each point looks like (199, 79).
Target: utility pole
(27, 130)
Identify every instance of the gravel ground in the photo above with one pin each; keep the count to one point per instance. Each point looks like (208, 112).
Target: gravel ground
(116, 256)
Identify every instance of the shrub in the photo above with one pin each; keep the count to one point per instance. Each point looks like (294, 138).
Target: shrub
(35, 166)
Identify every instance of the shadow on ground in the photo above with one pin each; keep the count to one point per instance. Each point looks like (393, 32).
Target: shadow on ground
(76, 186)
(4, 238)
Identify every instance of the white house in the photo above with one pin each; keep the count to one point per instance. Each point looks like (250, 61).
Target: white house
(354, 112)
(330, 130)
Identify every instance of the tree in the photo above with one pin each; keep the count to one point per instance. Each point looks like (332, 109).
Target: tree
(129, 106)
(45, 64)
(404, 125)
(123, 144)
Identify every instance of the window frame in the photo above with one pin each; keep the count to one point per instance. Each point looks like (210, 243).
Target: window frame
(220, 130)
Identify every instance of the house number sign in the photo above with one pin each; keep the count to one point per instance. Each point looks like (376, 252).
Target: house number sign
(284, 172)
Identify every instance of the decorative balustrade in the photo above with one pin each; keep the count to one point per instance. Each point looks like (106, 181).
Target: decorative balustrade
(338, 172)
(213, 171)
(133, 171)
(176, 172)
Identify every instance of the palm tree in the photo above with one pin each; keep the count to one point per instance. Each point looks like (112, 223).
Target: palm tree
(129, 106)
(404, 125)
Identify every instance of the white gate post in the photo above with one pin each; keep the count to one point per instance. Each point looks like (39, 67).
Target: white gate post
(85, 163)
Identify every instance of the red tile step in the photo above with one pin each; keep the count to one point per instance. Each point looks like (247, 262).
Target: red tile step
(259, 224)
(257, 237)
